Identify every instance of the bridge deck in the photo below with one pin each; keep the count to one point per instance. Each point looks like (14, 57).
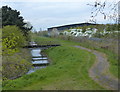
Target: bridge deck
(38, 46)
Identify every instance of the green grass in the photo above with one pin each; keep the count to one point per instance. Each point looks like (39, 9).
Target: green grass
(68, 71)
(112, 57)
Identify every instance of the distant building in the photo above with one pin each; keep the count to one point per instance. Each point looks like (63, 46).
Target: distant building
(65, 27)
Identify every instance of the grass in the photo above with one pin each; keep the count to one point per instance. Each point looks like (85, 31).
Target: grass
(112, 57)
(16, 65)
(113, 61)
(67, 71)
(111, 53)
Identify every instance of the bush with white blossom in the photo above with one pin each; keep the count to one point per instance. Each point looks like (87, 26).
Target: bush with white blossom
(89, 31)
(79, 32)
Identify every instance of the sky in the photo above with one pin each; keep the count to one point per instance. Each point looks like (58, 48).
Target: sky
(43, 14)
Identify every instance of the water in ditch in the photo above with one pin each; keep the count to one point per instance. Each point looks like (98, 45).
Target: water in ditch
(38, 61)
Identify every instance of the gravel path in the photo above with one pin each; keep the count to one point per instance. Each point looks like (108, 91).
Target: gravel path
(100, 71)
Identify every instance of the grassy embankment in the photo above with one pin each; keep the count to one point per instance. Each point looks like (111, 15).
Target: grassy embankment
(68, 70)
(15, 59)
(111, 55)
(16, 65)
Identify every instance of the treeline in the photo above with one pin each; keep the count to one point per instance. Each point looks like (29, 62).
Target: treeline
(12, 17)
(15, 34)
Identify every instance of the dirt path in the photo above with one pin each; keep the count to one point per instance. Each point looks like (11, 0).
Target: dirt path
(100, 71)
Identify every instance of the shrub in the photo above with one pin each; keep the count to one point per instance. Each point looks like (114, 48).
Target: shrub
(12, 38)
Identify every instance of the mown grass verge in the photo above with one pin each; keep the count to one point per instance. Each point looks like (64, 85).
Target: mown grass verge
(111, 56)
(67, 71)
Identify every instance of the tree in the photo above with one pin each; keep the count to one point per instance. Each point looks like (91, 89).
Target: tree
(99, 7)
(12, 38)
(12, 17)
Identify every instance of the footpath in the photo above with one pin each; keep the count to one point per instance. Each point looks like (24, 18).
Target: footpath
(100, 71)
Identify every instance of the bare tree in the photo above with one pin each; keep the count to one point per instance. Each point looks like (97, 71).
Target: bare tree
(109, 10)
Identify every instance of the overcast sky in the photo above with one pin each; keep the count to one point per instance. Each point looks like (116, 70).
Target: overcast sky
(48, 13)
